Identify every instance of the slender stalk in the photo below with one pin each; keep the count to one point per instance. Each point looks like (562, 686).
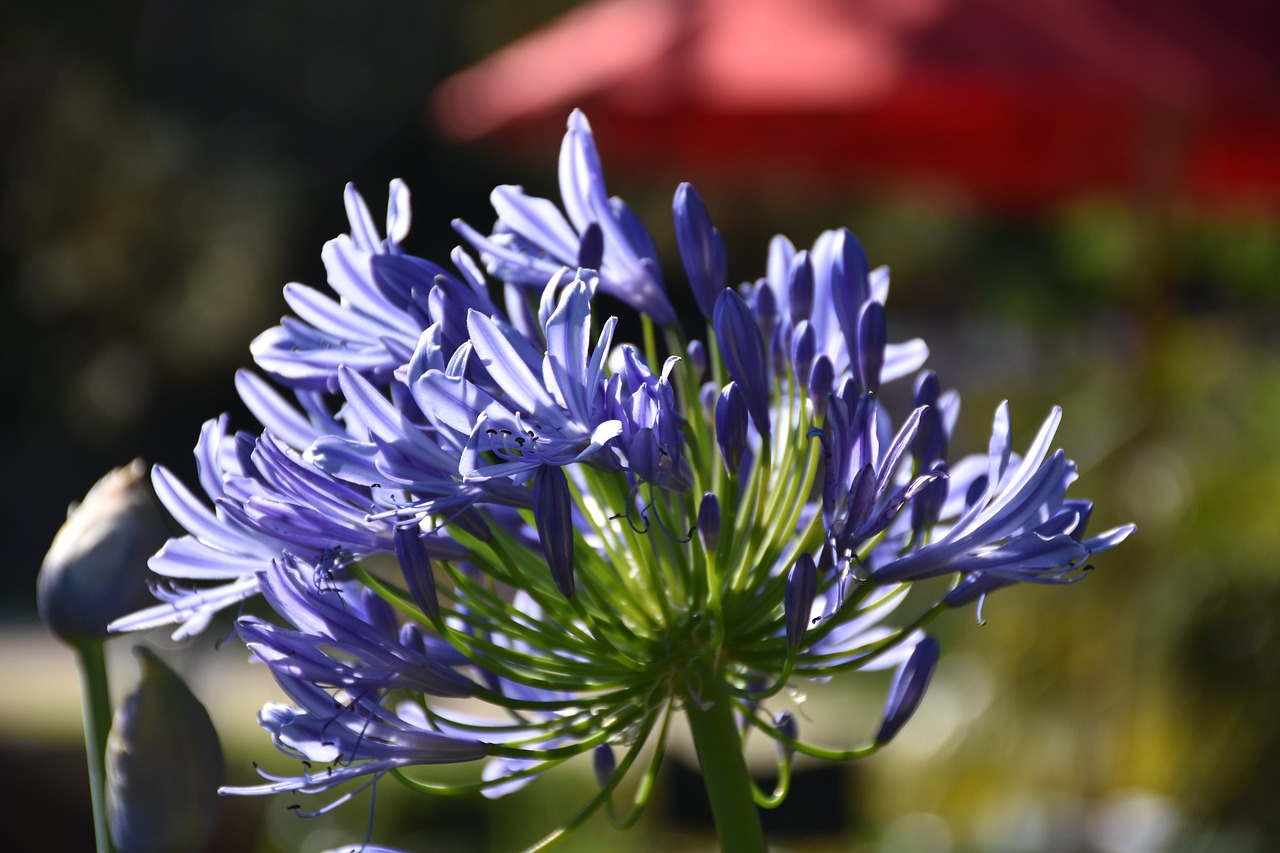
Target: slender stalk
(724, 772)
(96, 702)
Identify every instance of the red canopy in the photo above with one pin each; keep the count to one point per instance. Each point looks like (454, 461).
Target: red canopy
(1016, 102)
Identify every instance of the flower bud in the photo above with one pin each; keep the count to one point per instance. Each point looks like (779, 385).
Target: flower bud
(800, 287)
(701, 248)
(415, 564)
(163, 765)
(709, 521)
(553, 516)
(802, 586)
(603, 763)
(731, 427)
(872, 336)
(785, 722)
(96, 568)
(697, 354)
(742, 347)
(908, 687)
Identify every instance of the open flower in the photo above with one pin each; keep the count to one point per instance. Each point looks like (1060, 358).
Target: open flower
(594, 537)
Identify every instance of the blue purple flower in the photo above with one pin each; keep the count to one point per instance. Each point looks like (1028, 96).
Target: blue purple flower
(578, 538)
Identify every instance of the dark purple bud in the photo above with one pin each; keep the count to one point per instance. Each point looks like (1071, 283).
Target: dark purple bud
(908, 687)
(708, 394)
(929, 445)
(731, 426)
(927, 389)
(822, 378)
(701, 248)
(553, 516)
(800, 287)
(926, 506)
(591, 247)
(849, 285)
(709, 521)
(697, 353)
(803, 349)
(930, 442)
(785, 723)
(411, 638)
(415, 564)
(765, 307)
(802, 586)
(473, 523)
(977, 489)
(604, 763)
(780, 349)
(862, 497)
(742, 348)
(872, 337)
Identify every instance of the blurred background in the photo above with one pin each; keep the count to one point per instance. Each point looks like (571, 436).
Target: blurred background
(1080, 202)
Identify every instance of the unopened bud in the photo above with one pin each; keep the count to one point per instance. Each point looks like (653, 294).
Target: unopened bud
(96, 568)
(164, 766)
(709, 521)
(909, 684)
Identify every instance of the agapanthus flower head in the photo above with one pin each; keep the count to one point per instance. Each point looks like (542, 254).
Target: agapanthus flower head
(494, 533)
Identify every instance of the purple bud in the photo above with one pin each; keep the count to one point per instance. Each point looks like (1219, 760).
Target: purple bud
(709, 521)
(977, 489)
(802, 585)
(800, 287)
(697, 353)
(908, 687)
(416, 566)
(872, 337)
(785, 723)
(411, 638)
(862, 497)
(926, 507)
(803, 349)
(780, 349)
(927, 389)
(553, 516)
(591, 247)
(731, 426)
(604, 763)
(473, 523)
(708, 394)
(765, 308)
(742, 348)
(701, 248)
(849, 285)
(822, 379)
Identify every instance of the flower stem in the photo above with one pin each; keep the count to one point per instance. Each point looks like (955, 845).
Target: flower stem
(724, 772)
(96, 701)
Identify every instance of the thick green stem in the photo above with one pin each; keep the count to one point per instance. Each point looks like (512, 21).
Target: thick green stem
(724, 771)
(95, 697)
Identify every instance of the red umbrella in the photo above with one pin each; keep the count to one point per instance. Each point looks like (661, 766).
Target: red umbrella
(1019, 103)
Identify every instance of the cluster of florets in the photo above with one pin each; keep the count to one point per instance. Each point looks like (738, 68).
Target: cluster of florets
(585, 537)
